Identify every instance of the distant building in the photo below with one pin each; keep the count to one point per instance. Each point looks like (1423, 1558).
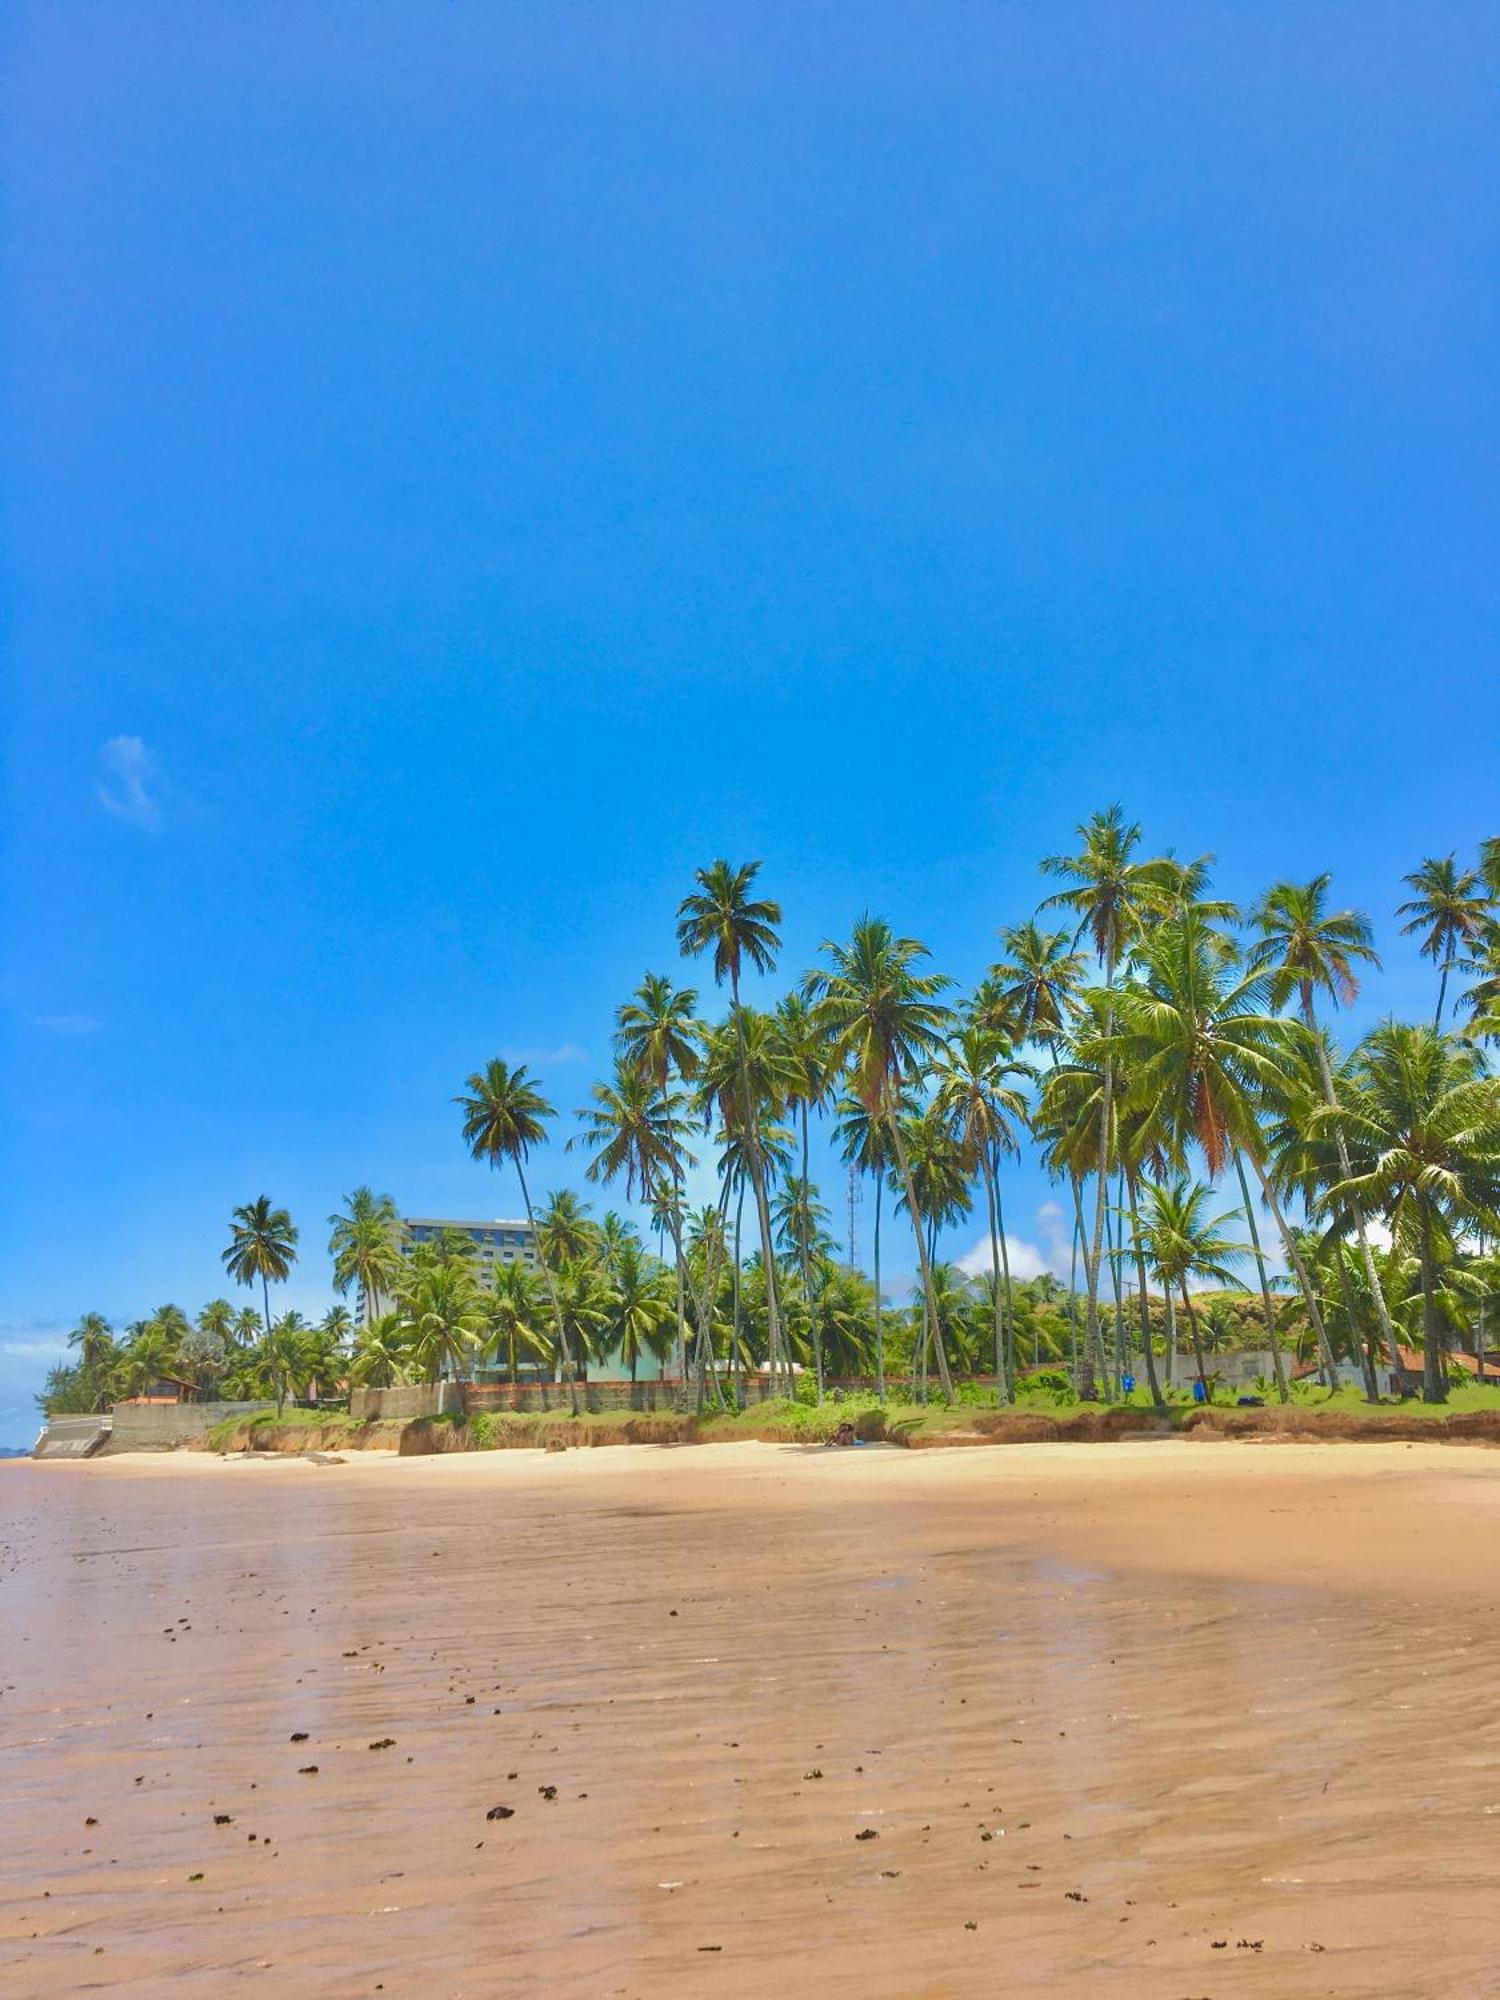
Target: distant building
(497, 1242)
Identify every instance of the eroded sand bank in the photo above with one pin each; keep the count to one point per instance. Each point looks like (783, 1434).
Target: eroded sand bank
(1197, 1695)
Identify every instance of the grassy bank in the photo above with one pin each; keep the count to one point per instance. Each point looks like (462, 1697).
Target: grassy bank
(300, 1430)
(1471, 1414)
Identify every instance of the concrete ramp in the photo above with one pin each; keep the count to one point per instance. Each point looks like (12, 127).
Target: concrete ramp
(72, 1437)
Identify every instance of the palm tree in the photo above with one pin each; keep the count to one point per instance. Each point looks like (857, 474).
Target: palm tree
(512, 1318)
(885, 1023)
(94, 1340)
(1429, 1116)
(639, 1311)
(975, 1095)
(382, 1351)
(806, 1051)
(723, 917)
(504, 1117)
(1309, 949)
(365, 1246)
(632, 1128)
(1029, 994)
(865, 1142)
(1448, 908)
(262, 1244)
(1111, 894)
(1203, 1057)
(563, 1230)
(442, 1314)
(656, 1036)
(1182, 1242)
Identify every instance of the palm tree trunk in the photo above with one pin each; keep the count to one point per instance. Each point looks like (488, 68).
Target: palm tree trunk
(1295, 1257)
(265, 1292)
(1356, 1208)
(807, 1293)
(1437, 1019)
(739, 1224)
(929, 1308)
(1283, 1393)
(1360, 1346)
(758, 1186)
(879, 1323)
(1093, 1346)
(1010, 1303)
(1434, 1369)
(1208, 1394)
(1073, 1270)
(1157, 1399)
(1171, 1310)
(989, 1190)
(565, 1357)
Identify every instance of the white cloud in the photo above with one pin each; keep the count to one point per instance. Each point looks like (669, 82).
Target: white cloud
(133, 783)
(566, 1052)
(67, 1024)
(1026, 1261)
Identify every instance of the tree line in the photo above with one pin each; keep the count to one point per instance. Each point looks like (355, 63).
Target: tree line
(1169, 1056)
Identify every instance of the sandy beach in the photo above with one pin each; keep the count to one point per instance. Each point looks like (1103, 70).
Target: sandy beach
(1178, 1718)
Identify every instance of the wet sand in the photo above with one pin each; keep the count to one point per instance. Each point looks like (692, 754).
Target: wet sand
(1177, 1719)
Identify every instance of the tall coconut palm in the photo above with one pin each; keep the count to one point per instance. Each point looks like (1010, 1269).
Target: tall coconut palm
(1029, 993)
(865, 1142)
(94, 1339)
(381, 1353)
(443, 1315)
(513, 1318)
(1183, 1242)
(365, 1245)
(639, 1308)
(1428, 1114)
(723, 917)
(1308, 949)
(975, 1093)
(1110, 894)
(564, 1232)
(1447, 910)
(262, 1244)
(656, 1035)
(504, 1117)
(1204, 1055)
(885, 1022)
(806, 1050)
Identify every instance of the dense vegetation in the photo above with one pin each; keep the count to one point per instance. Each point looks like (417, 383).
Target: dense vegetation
(1169, 1055)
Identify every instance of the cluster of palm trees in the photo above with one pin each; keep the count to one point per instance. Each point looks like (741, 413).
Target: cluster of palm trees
(1154, 1034)
(1169, 1056)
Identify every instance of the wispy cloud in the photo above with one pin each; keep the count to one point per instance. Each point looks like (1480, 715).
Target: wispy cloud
(566, 1052)
(133, 786)
(67, 1024)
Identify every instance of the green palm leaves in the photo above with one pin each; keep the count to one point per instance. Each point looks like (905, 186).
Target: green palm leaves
(262, 1244)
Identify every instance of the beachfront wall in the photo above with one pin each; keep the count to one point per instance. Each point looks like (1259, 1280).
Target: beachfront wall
(409, 1401)
(160, 1426)
(602, 1397)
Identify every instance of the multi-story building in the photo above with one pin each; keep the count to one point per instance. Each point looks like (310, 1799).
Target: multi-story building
(497, 1242)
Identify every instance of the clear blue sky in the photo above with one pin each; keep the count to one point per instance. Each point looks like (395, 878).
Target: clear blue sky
(466, 465)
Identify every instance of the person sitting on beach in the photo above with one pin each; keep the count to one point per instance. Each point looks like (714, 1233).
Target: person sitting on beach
(844, 1434)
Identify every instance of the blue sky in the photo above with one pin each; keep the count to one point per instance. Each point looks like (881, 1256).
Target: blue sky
(466, 466)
